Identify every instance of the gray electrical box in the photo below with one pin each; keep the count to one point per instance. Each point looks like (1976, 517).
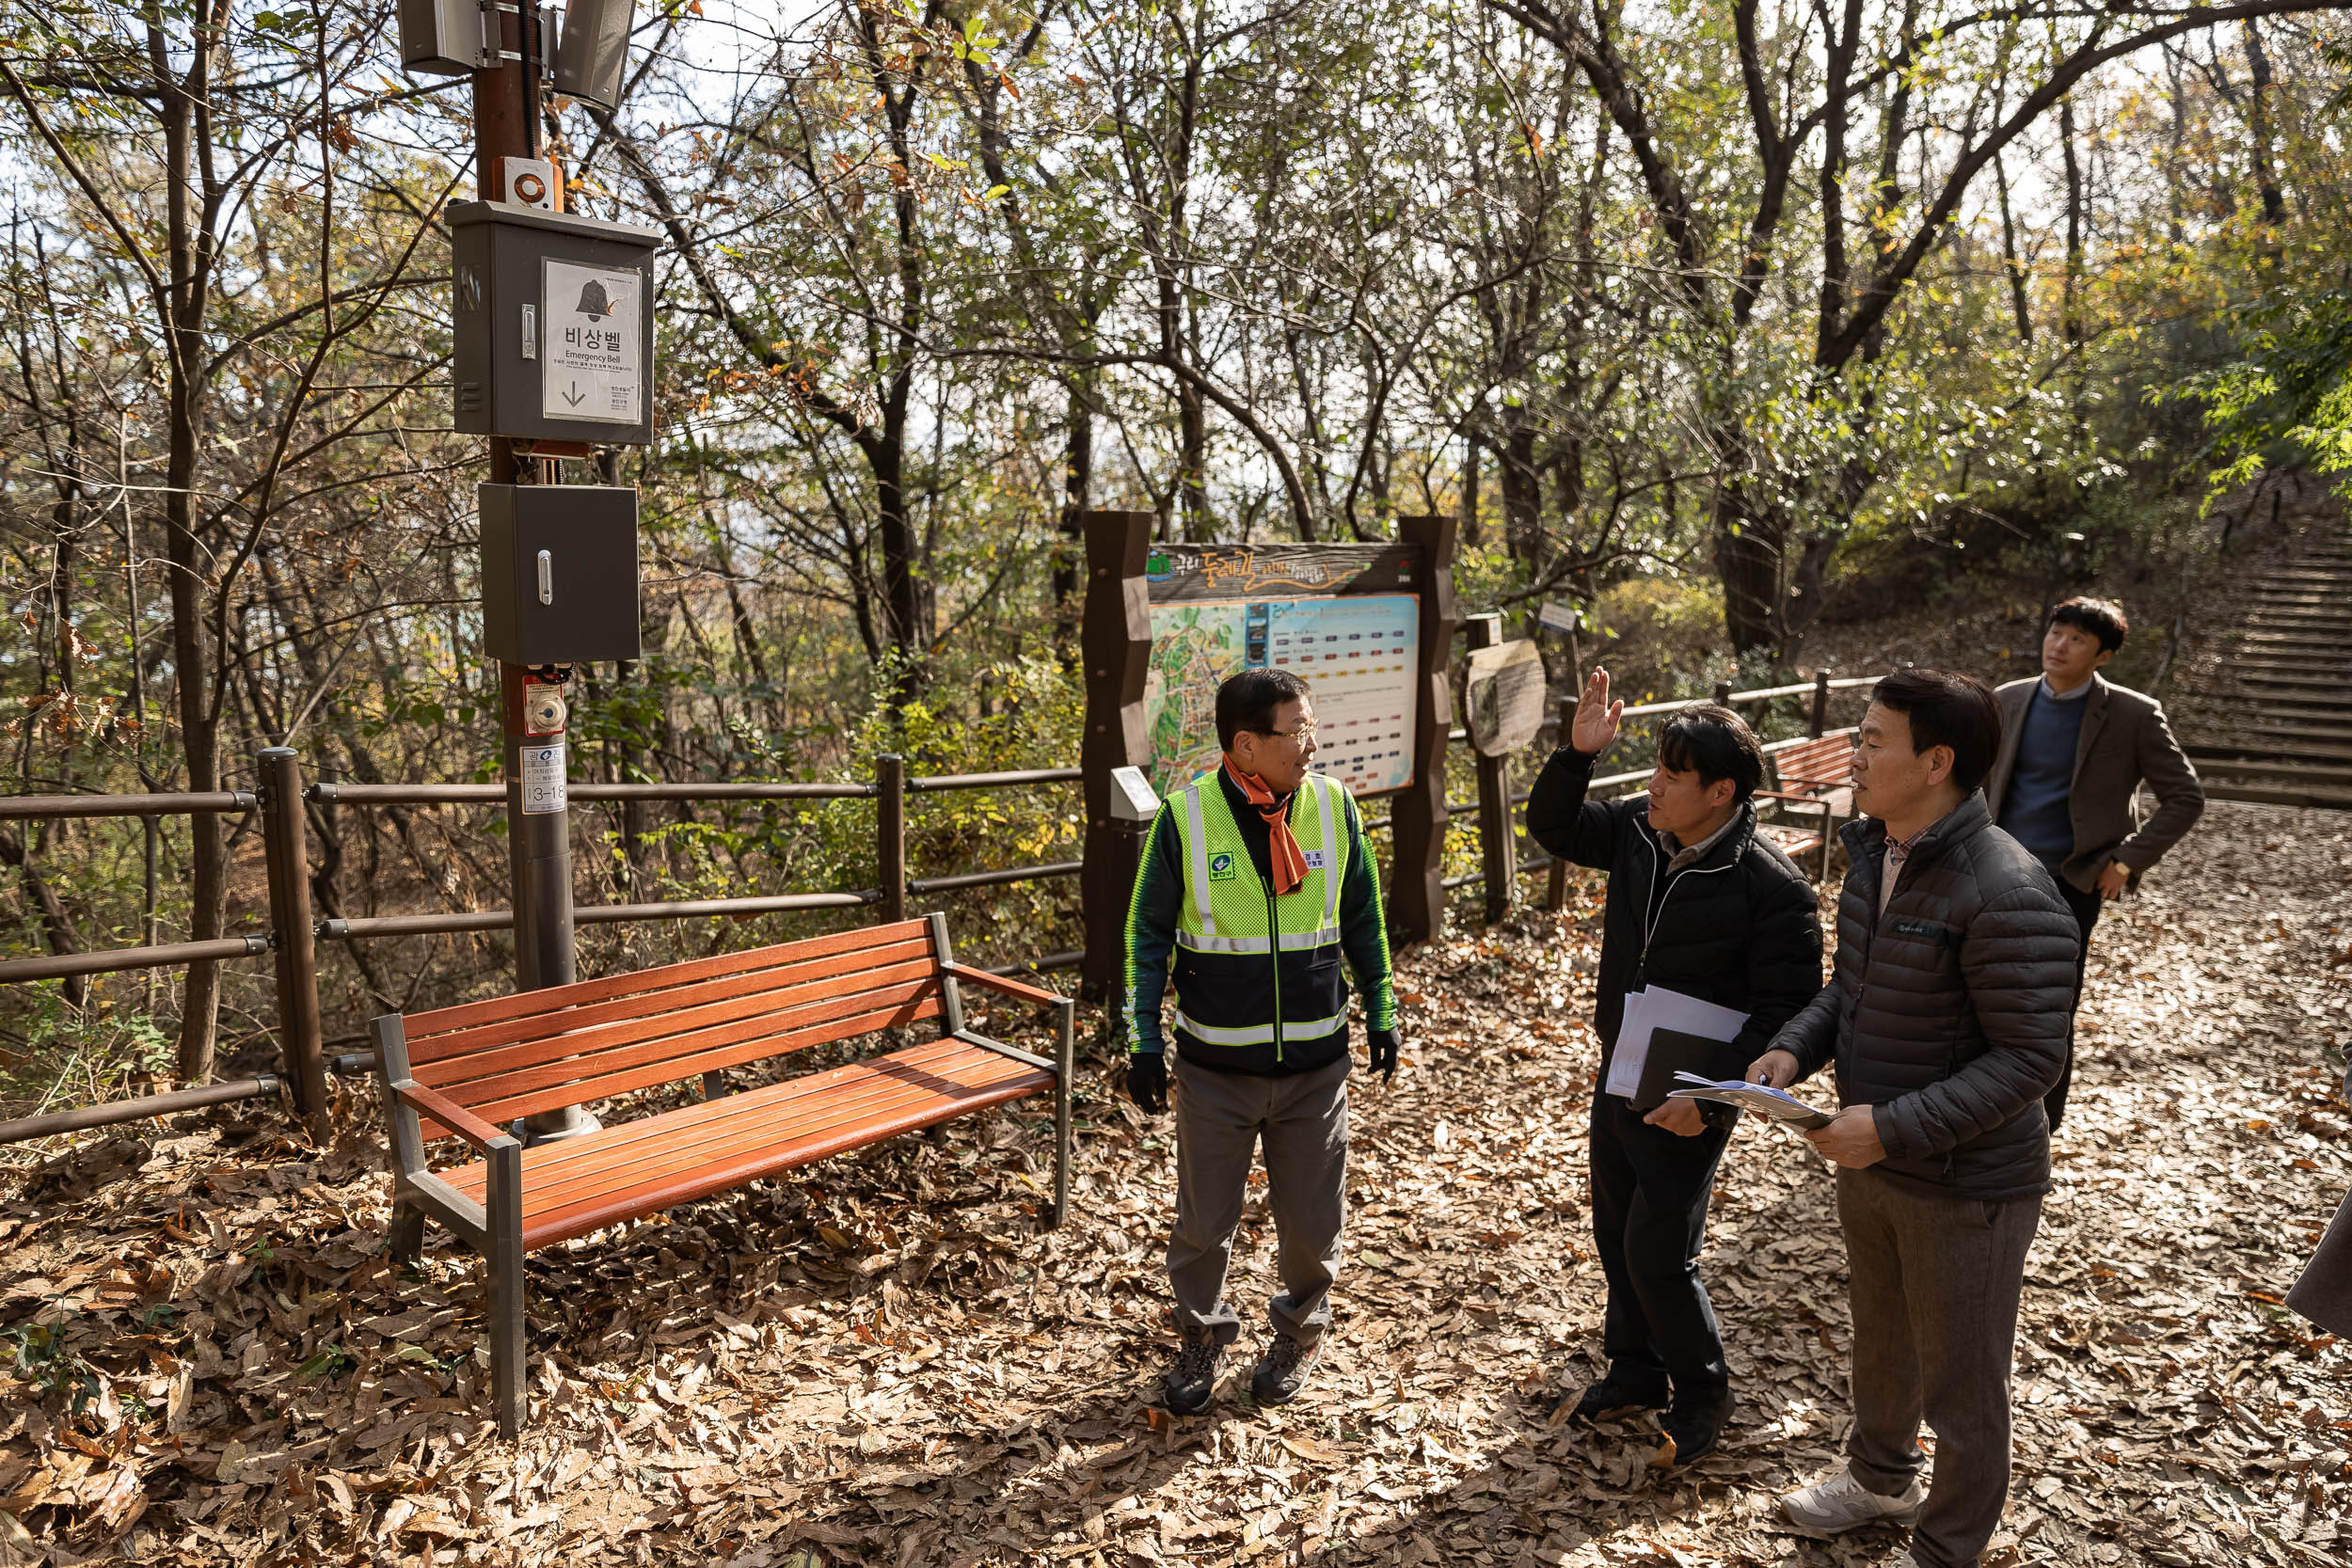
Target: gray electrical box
(559, 573)
(554, 324)
(447, 37)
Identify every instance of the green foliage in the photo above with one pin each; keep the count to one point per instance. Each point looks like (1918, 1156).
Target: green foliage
(2286, 398)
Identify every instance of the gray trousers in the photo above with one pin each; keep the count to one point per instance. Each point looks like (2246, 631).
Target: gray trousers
(1221, 1120)
(1934, 1283)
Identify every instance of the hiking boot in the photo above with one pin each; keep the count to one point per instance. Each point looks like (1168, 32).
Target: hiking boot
(1615, 1394)
(1192, 1378)
(1842, 1503)
(1692, 1427)
(1282, 1370)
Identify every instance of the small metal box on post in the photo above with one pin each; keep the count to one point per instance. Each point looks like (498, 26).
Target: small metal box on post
(554, 324)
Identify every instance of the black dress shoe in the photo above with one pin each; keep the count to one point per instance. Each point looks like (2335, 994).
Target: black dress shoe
(1615, 1394)
(1692, 1428)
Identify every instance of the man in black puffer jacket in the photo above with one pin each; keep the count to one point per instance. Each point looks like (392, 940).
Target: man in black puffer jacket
(1697, 904)
(1947, 1019)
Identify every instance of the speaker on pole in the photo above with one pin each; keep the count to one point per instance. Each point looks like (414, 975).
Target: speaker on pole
(593, 50)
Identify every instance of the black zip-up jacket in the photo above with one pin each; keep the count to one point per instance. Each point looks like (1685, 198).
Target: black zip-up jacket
(1949, 1012)
(1311, 984)
(1738, 927)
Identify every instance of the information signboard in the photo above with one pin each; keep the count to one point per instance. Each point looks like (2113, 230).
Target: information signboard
(1314, 609)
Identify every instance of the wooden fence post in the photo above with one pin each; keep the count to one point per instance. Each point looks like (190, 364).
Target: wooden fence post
(1115, 652)
(1722, 693)
(890, 833)
(1819, 720)
(1498, 845)
(1417, 817)
(285, 853)
(1556, 881)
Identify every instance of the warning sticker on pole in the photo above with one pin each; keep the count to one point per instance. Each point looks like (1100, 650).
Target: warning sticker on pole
(543, 777)
(594, 367)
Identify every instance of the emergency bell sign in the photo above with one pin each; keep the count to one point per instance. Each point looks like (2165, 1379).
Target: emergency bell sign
(591, 370)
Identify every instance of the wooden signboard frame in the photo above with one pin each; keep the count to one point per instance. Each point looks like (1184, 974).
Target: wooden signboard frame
(1115, 646)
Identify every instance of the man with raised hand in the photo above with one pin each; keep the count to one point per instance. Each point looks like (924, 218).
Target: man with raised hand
(2075, 751)
(1946, 1017)
(1697, 904)
(1256, 879)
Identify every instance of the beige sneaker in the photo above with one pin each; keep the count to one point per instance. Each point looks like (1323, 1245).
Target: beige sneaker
(1842, 1503)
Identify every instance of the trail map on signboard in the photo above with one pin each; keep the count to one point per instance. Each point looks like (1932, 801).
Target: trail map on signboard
(1359, 654)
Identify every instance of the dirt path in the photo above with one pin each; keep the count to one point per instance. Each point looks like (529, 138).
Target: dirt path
(886, 1364)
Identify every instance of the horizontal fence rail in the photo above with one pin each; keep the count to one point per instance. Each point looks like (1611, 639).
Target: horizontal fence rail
(293, 936)
(23, 807)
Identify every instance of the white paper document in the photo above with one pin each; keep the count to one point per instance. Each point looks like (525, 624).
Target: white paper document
(1762, 1099)
(1655, 1007)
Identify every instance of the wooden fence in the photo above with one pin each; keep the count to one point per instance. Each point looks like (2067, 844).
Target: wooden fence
(294, 936)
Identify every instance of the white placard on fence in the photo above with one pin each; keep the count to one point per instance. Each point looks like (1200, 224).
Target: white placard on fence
(1505, 692)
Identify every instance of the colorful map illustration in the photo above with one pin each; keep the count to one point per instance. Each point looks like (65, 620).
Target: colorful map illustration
(1359, 654)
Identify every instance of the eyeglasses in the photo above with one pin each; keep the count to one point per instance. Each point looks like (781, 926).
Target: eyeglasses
(1305, 732)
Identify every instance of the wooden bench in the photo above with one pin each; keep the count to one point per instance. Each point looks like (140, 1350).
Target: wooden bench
(1812, 777)
(462, 1072)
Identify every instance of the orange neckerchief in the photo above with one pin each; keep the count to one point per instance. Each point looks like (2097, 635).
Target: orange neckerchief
(1289, 862)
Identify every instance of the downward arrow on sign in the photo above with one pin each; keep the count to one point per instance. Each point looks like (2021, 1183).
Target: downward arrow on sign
(574, 395)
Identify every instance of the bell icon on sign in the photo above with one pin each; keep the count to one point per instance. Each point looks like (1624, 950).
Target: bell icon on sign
(593, 303)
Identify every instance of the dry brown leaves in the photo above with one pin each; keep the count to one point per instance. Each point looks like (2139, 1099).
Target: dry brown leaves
(888, 1362)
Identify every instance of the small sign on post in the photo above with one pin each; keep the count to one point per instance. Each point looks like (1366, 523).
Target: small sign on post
(1505, 692)
(1561, 617)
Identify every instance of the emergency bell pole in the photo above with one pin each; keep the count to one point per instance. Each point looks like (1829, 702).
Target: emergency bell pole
(539, 844)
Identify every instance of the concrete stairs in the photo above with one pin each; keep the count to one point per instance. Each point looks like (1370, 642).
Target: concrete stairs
(2271, 719)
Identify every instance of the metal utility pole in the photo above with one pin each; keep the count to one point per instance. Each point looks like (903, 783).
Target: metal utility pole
(507, 119)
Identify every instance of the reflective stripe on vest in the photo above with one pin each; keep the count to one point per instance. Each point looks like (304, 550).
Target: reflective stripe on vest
(1258, 1034)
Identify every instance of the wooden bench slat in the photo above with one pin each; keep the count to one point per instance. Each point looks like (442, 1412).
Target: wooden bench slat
(678, 1142)
(683, 1046)
(581, 1050)
(630, 1140)
(671, 1069)
(468, 1014)
(571, 1189)
(582, 1219)
(654, 1002)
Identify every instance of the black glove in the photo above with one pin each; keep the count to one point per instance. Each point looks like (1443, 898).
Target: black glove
(1146, 1081)
(1382, 1043)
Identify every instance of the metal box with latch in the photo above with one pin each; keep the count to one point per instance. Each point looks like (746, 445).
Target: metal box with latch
(554, 324)
(559, 573)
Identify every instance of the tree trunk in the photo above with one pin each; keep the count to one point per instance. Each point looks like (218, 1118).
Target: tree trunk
(1522, 494)
(1747, 561)
(1077, 478)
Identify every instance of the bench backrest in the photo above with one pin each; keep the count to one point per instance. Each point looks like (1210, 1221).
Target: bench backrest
(1823, 764)
(541, 1050)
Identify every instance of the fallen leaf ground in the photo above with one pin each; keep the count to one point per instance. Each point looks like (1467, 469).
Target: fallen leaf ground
(889, 1362)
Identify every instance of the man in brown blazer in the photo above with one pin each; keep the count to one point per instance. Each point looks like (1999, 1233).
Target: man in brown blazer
(2075, 751)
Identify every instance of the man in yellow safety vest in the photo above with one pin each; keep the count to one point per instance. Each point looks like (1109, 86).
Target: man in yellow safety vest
(1256, 880)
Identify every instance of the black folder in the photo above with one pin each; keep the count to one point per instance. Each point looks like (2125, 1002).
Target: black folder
(1672, 1051)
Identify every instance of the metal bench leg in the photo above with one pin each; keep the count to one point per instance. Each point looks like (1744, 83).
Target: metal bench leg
(505, 1206)
(408, 1234)
(1065, 1057)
